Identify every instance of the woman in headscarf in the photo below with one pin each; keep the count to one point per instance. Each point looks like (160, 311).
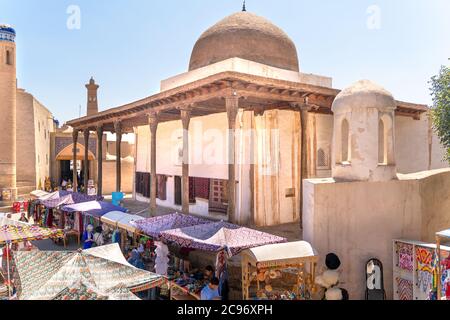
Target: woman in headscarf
(135, 258)
(88, 237)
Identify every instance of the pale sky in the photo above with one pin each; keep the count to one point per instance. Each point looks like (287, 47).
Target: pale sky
(129, 46)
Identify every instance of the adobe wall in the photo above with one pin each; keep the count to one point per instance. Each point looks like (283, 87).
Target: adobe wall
(359, 220)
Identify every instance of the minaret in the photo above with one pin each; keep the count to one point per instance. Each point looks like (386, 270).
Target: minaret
(92, 103)
(8, 87)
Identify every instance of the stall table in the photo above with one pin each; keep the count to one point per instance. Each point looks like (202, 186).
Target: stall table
(266, 264)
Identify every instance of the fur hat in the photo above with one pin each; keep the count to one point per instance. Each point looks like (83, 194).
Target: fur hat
(332, 261)
(328, 279)
(334, 294)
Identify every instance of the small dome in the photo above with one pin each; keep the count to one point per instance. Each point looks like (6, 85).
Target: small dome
(247, 36)
(7, 33)
(364, 94)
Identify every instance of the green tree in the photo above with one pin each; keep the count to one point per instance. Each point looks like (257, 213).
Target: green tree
(440, 91)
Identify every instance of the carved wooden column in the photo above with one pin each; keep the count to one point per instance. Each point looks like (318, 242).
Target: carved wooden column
(153, 123)
(232, 107)
(305, 163)
(86, 160)
(118, 131)
(99, 160)
(186, 120)
(75, 173)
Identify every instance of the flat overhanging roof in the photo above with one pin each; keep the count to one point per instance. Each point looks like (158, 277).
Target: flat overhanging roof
(205, 97)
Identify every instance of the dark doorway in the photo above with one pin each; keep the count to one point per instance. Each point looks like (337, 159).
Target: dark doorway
(66, 173)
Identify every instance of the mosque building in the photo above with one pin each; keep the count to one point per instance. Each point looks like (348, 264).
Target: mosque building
(244, 76)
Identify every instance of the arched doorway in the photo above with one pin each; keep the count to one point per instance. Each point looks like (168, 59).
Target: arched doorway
(64, 164)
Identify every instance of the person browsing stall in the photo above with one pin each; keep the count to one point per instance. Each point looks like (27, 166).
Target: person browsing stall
(211, 291)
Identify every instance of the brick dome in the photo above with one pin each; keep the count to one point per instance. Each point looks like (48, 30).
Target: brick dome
(247, 36)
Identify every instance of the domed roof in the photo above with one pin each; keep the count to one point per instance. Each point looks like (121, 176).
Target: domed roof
(364, 94)
(247, 36)
(7, 33)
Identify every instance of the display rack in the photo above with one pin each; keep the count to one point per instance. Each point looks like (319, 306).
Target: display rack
(413, 269)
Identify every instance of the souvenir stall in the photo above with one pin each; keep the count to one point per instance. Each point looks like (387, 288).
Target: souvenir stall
(13, 233)
(443, 265)
(81, 215)
(223, 239)
(99, 272)
(53, 216)
(124, 224)
(149, 230)
(279, 272)
(415, 272)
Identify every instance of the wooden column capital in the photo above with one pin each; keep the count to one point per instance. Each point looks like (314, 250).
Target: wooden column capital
(185, 113)
(232, 107)
(75, 135)
(118, 127)
(153, 121)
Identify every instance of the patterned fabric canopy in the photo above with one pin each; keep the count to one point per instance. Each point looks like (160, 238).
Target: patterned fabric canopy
(80, 291)
(93, 208)
(14, 232)
(69, 199)
(154, 226)
(44, 275)
(53, 195)
(221, 235)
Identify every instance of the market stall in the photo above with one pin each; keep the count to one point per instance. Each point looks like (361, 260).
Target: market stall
(218, 236)
(14, 232)
(415, 270)
(443, 266)
(44, 275)
(266, 269)
(153, 227)
(223, 239)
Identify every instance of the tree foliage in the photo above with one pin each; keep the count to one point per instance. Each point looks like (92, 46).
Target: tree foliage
(440, 90)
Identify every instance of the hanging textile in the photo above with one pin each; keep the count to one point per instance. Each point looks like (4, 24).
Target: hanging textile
(161, 190)
(177, 188)
(191, 190)
(201, 188)
(218, 197)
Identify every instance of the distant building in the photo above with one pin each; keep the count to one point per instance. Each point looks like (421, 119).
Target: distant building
(26, 126)
(62, 153)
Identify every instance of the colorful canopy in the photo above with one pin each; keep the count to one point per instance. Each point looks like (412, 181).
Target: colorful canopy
(38, 194)
(122, 220)
(80, 291)
(93, 208)
(281, 254)
(154, 226)
(15, 231)
(53, 195)
(221, 235)
(69, 199)
(444, 234)
(44, 275)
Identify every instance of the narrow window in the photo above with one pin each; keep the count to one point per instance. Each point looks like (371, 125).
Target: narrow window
(8, 58)
(382, 156)
(345, 141)
(322, 159)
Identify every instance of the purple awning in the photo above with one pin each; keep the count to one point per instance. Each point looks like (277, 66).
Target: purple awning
(154, 226)
(93, 208)
(71, 198)
(220, 235)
